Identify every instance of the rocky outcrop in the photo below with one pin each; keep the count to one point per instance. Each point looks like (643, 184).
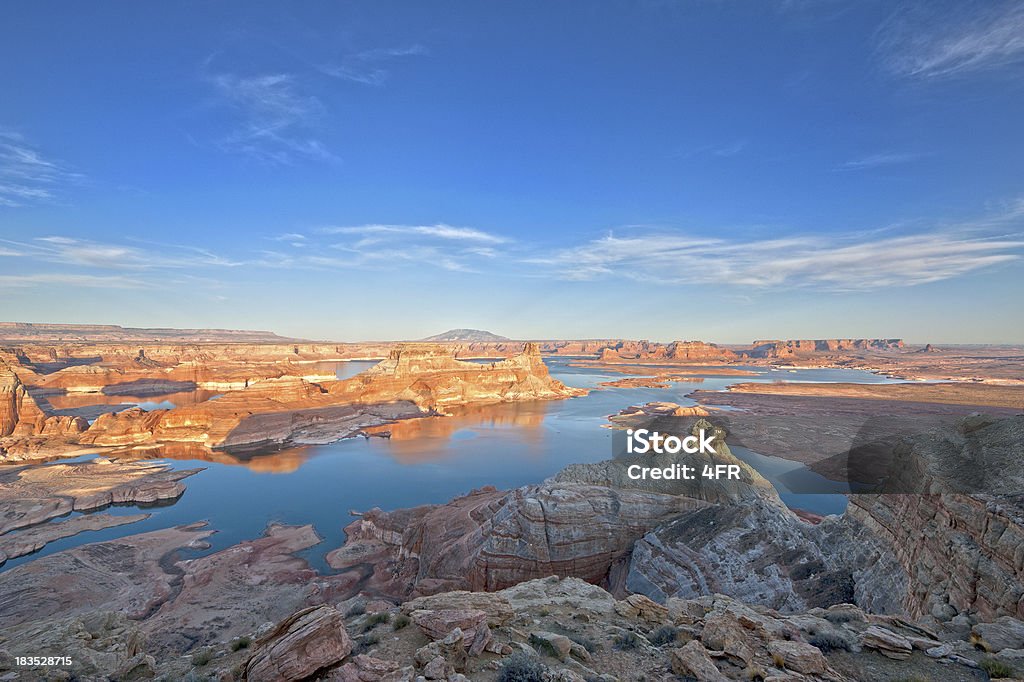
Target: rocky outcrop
(637, 416)
(429, 376)
(121, 576)
(949, 510)
(796, 347)
(22, 420)
(33, 495)
(677, 351)
(34, 538)
(414, 381)
(582, 522)
(758, 552)
(299, 646)
(491, 539)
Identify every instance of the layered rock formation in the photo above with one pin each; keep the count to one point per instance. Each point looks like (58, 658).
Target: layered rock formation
(677, 351)
(949, 510)
(429, 376)
(32, 496)
(582, 522)
(21, 417)
(762, 553)
(795, 347)
(415, 380)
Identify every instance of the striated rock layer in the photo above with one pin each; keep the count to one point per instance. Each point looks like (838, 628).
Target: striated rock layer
(795, 347)
(582, 522)
(416, 380)
(950, 512)
(21, 416)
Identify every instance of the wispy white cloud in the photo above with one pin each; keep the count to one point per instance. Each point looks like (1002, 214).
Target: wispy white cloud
(835, 263)
(370, 67)
(26, 176)
(272, 120)
(439, 231)
(71, 280)
(932, 40)
(70, 251)
(875, 161)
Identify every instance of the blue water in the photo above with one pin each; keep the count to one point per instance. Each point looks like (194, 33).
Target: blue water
(431, 461)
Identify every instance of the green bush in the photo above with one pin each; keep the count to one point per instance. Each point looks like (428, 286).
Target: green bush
(240, 643)
(400, 621)
(376, 619)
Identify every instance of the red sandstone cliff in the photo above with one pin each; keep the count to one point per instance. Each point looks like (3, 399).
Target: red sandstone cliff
(414, 380)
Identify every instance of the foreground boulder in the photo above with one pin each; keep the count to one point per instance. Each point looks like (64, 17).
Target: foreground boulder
(300, 645)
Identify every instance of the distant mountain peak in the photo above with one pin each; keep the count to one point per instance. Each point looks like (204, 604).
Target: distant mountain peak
(476, 335)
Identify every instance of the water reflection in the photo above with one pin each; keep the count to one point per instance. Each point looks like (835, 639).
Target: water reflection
(425, 461)
(284, 461)
(75, 403)
(423, 440)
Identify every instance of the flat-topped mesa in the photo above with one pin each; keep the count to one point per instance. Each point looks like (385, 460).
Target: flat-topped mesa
(678, 351)
(775, 348)
(413, 380)
(430, 376)
(696, 350)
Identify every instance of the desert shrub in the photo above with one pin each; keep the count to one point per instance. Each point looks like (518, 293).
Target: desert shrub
(356, 610)
(666, 634)
(202, 657)
(239, 643)
(627, 640)
(376, 619)
(585, 642)
(995, 668)
(830, 641)
(837, 617)
(400, 621)
(779, 661)
(521, 667)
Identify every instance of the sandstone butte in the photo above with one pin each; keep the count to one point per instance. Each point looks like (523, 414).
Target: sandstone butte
(414, 380)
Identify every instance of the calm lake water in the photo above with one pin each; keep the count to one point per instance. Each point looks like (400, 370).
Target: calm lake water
(432, 460)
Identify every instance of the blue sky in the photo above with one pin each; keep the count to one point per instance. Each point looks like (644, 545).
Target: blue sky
(375, 170)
